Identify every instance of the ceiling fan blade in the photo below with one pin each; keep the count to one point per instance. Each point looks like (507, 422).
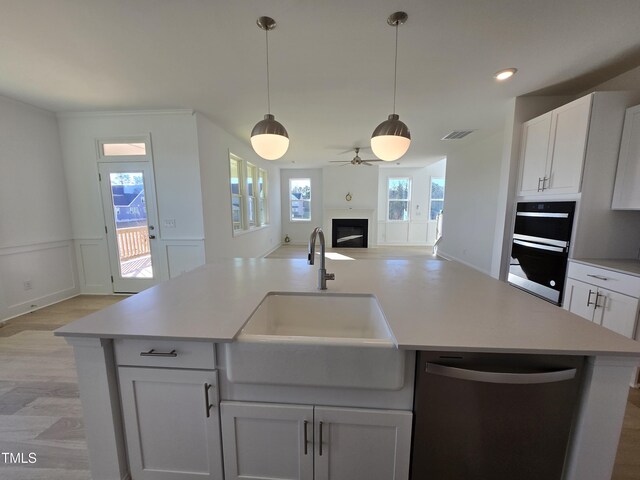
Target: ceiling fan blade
(339, 161)
(372, 160)
(367, 164)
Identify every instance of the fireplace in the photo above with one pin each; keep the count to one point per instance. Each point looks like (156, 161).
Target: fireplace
(349, 232)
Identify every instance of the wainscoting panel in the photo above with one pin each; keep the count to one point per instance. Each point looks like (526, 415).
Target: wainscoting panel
(183, 256)
(93, 266)
(37, 275)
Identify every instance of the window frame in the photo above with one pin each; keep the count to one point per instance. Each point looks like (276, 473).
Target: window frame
(407, 200)
(240, 195)
(294, 220)
(437, 199)
(248, 170)
(263, 197)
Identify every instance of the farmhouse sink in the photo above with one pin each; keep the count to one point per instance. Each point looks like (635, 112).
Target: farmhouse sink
(316, 339)
(335, 319)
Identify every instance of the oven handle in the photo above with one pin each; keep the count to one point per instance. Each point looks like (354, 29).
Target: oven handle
(539, 247)
(542, 215)
(546, 241)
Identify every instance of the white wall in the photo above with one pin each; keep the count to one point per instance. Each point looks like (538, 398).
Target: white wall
(177, 179)
(299, 231)
(419, 230)
(35, 225)
(471, 195)
(214, 145)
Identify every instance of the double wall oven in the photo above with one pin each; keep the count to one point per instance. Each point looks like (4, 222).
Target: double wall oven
(540, 248)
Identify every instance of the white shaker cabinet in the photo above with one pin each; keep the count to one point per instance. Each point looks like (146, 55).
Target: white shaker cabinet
(626, 194)
(171, 423)
(170, 401)
(553, 150)
(605, 297)
(278, 441)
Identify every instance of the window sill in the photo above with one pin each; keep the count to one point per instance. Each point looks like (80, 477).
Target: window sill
(238, 233)
(300, 220)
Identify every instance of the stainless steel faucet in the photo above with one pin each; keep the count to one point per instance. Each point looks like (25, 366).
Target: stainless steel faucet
(323, 276)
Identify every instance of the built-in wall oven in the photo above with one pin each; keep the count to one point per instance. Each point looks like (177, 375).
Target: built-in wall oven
(540, 248)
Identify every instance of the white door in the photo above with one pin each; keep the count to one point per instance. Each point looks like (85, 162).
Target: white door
(619, 312)
(128, 200)
(172, 431)
(361, 444)
(267, 441)
(579, 298)
(535, 148)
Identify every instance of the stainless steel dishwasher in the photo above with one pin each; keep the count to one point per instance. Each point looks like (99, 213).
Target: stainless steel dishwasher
(493, 416)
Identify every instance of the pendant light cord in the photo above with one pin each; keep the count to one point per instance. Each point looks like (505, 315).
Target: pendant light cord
(266, 32)
(395, 71)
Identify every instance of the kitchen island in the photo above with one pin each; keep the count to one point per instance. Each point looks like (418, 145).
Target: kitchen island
(429, 305)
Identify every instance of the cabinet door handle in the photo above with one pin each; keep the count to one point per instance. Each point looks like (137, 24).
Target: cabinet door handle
(305, 437)
(153, 353)
(539, 181)
(544, 183)
(599, 277)
(320, 447)
(598, 295)
(207, 406)
(589, 302)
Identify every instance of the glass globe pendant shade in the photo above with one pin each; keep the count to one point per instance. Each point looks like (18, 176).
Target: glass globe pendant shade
(269, 138)
(391, 139)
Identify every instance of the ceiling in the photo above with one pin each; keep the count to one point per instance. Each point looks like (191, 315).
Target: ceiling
(331, 62)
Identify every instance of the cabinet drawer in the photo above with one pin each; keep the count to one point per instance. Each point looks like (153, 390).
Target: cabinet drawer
(165, 353)
(615, 281)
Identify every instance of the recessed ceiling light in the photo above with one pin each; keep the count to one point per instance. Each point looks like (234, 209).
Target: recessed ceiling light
(504, 74)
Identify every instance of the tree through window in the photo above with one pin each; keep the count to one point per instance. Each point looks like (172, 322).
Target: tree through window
(398, 198)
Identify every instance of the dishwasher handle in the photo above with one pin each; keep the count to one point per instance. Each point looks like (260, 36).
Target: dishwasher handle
(501, 377)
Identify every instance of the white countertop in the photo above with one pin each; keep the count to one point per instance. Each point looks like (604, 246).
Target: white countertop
(429, 305)
(622, 265)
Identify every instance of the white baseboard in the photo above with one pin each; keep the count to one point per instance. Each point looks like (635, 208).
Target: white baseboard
(270, 251)
(43, 302)
(447, 256)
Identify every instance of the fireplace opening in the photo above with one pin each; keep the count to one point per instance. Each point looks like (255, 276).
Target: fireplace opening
(350, 233)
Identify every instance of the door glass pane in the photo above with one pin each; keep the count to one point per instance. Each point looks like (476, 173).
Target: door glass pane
(132, 228)
(123, 149)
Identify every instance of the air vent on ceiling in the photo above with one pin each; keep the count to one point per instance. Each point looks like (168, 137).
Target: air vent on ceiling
(457, 134)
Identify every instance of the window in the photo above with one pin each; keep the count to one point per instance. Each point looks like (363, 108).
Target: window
(398, 198)
(437, 197)
(235, 176)
(248, 185)
(263, 209)
(300, 199)
(252, 193)
(123, 149)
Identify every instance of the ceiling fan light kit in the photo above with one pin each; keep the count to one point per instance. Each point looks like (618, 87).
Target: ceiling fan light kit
(391, 139)
(269, 138)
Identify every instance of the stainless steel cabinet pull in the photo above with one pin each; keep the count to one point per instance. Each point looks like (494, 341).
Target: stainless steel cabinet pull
(589, 302)
(153, 353)
(208, 406)
(305, 437)
(598, 295)
(539, 180)
(599, 277)
(501, 377)
(320, 448)
(544, 183)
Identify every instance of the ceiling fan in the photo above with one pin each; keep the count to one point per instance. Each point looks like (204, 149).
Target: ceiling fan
(356, 160)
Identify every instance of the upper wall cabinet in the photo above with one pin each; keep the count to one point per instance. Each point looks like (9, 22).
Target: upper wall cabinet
(553, 150)
(626, 193)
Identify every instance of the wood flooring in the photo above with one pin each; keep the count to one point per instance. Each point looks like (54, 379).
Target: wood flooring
(40, 411)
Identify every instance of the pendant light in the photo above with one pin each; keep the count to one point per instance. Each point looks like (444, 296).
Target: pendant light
(269, 138)
(390, 140)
